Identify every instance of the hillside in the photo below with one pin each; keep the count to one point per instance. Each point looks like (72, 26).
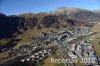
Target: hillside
(78, 14)
(13, 25)
(96, 12)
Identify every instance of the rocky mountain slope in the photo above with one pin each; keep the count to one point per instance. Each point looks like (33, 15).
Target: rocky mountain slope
(76, 14)
(62, 17)
(96, 12)
(20, 23)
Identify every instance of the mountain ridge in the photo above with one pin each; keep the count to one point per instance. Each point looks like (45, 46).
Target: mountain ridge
(62, 17)
(77, 14)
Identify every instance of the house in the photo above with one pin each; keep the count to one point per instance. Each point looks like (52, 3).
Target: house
(28, 59)
(36, 54)
(49, 50)
(37, 57)
(32, 56)
(45, 51)
(41, 58)
(73, 47)
(79, 48)
(22, 60)
(40, 52)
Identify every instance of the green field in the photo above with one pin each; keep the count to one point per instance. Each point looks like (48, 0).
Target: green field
(96, 38)
(96, 44)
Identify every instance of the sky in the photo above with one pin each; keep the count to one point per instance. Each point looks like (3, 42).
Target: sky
(14, 7)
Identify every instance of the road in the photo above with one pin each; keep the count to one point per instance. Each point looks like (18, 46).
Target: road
(65, 56)
(63, 49)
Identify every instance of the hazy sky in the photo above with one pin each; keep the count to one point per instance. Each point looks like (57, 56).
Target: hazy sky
(9, 7)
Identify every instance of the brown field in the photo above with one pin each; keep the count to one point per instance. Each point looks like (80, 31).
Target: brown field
(96, 28)
(28, 34)
(96, 40)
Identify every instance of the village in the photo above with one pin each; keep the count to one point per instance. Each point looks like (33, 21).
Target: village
(64, 40)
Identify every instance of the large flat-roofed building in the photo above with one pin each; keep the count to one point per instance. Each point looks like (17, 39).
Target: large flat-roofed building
(78, 53)
(72, 55)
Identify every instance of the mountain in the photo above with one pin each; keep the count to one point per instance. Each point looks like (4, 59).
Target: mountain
(8, 25)
(61, 17)
(23, 22)
(76, 14)
(96, 12)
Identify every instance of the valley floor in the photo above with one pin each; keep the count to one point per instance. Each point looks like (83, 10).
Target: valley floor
(61, 43)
